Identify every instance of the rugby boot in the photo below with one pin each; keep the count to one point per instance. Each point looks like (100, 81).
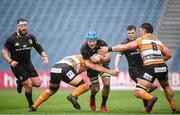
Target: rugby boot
(103, 108)
(31, 109)
(74, 102)
(150, 104)
(174, 111)
(19, 86)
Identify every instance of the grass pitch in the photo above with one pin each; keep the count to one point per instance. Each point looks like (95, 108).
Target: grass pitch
(119, 102)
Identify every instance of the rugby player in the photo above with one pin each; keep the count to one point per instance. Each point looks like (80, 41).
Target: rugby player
(154, 54)
(68, 70)
(88, 49)
(17, 52)
(135, 62)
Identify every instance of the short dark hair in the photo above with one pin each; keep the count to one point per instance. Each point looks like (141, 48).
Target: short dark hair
(21, 19)
(131, 27)
(148, 27)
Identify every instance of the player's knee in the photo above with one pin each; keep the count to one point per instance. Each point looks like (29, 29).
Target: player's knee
(106, 86)
(27, 86)
(80, 83)
(95, 89)
(53, 88)
(38, 84)
(164, 85)
(138, 89)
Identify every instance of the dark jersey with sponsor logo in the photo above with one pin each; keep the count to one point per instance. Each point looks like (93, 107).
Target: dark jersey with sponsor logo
(133, 57)
(87, 52)
(135, 62)
(20, 47)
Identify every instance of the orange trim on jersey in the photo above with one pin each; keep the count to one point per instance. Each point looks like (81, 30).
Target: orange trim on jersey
(150, 47)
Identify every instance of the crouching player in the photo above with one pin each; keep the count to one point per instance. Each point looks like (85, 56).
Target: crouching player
(68, 70)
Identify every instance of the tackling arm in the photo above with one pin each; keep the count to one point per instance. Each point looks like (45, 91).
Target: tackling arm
(100, 68)
(118, 48)
(166, 53)
(105, 58)
(124, 47)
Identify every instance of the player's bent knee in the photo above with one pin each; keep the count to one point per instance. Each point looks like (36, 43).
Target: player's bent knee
(80, 83)
(164, 85)
(37, 84)
(96, 89)
(138, 89)
(54, 88)
(27, 86)
(107, 85)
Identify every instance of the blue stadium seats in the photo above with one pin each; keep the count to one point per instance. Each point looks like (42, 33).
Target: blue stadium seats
(60, 25)
(175, 66)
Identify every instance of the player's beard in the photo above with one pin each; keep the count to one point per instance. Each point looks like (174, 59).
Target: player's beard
(23, 32)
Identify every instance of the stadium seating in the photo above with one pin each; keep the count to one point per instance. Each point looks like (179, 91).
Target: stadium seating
(175, 66)
(169, 31)
(60, 25)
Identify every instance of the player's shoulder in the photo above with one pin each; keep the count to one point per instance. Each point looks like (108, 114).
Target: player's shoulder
(12, 37)
(84, 48)
(125, 41)
(101, 42)
(30, 35)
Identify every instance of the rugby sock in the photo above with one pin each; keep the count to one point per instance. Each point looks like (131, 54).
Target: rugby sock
(80, 90)
(43, 97)
(145, 95)
(104, 99)
(29, 98)
(173, 105)
(93, 99)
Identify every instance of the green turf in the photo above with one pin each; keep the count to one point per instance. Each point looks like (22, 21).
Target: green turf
(119, 102)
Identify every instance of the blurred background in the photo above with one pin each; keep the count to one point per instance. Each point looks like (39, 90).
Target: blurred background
(61, 25)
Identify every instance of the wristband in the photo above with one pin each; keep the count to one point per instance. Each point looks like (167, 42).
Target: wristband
(110, 49)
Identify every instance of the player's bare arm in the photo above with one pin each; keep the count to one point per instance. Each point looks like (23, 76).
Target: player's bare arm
(44, 57)
(100, 68)
(105, 58)
(166, 53)
(117, 61)
(100, 58)
(118, 48)
(6, 56)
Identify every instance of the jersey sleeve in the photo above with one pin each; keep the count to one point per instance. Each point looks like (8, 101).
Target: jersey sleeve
(102, 43)
(138, 41)
(37, 45)
(7, 44)
(85, 53)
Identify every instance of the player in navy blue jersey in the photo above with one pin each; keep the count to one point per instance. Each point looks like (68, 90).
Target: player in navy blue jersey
(90, 48)
(17, 52)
